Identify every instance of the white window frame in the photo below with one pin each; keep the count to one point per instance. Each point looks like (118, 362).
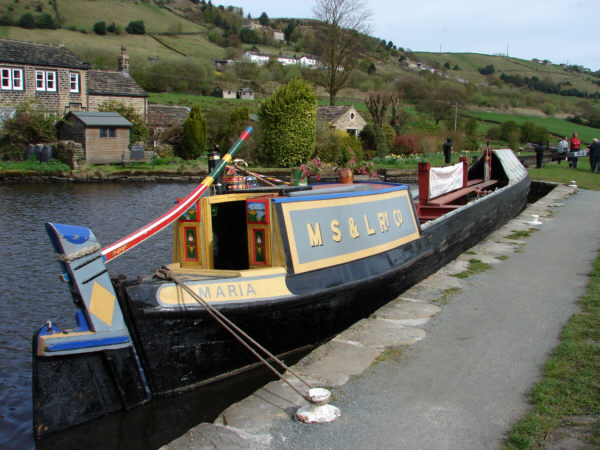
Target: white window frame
(74, 82)
(11, 79)
(45, 80)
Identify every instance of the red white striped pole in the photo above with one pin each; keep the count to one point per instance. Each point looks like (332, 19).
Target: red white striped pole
(128, 242)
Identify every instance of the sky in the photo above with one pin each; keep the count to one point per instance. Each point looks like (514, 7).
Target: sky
(562, 31)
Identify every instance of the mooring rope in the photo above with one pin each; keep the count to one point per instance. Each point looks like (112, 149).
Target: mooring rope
(238, 334)
(78, 254)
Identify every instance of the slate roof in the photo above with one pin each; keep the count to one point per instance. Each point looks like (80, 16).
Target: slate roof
(166, 115)
(100, 119)
(30, 53)
(104, 82)
(332, 113)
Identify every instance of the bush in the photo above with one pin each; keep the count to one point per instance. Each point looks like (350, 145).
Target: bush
(530, 132)
(487, 70)
(288, 120)
(46, 21)
(405, 144)
(549, 108)
(136, 27)
(30, 125)
(26, 21)
(333, 146)
(100, 28)
(194, 135)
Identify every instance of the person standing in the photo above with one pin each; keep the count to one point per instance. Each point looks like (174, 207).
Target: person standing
(539, 155)
(574, 144)
(563, 148)
(447, 149)
(595, 155)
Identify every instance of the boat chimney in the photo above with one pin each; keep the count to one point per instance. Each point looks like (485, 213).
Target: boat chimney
(123, 61)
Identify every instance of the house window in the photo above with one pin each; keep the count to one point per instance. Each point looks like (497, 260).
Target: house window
(45, 80)
(74, 82)
(12, 79)
(106, 132)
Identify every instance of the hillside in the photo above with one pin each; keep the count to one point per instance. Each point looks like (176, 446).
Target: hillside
(181, 40)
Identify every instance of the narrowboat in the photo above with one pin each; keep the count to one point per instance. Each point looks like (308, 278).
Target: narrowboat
(290, 265)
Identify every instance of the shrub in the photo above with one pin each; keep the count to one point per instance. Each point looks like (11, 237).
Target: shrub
(549, 108)
(100, 28)
(46, 21)
(487, 70)
(30, 125)
(112, 28)
(194, 135)
(136, 27)
(288, 121)
(530, 132)
(405, 144)
(26, 21)
(334, 146)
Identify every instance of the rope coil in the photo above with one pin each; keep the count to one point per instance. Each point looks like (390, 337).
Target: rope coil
(78, 254)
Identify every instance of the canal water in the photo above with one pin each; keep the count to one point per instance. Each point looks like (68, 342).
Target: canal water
(31, 294)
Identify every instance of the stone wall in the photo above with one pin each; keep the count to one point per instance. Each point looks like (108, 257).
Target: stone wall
(70, 153)
(137, 103)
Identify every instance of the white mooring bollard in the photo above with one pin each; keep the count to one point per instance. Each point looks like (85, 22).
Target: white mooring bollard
(318, 411)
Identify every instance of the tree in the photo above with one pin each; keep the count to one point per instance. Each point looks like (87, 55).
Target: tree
(341, 26)
(136, 27)
(139, 131)
(100, 28)
(288, 123)
(264, 19)
(378, 104)
(442, 103)
(194, 135)
(26, 21)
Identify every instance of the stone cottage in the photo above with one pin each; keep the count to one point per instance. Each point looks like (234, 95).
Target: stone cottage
(342, 117)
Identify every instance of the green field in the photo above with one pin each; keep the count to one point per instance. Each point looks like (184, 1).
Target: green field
(558, 127)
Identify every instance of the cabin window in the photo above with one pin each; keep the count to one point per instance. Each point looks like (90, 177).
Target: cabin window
(12, 79)
(45, 80)
(108, 132)
(74, 82)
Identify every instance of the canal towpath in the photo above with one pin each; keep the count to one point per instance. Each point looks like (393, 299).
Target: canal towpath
(450, 363)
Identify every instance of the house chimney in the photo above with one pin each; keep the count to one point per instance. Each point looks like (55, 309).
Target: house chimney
(123, 61)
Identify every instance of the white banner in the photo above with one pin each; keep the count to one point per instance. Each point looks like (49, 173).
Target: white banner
(445, 179)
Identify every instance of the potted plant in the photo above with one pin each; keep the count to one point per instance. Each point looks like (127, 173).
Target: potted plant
(348, 166)
(301, 174)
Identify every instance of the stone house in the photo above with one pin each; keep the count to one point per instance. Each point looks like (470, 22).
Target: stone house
(104, 135)
(278, 36)
(342, 117)
(52, 75)
(60, 81)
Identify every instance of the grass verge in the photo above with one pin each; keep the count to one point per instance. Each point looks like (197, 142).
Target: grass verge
(570, 385)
